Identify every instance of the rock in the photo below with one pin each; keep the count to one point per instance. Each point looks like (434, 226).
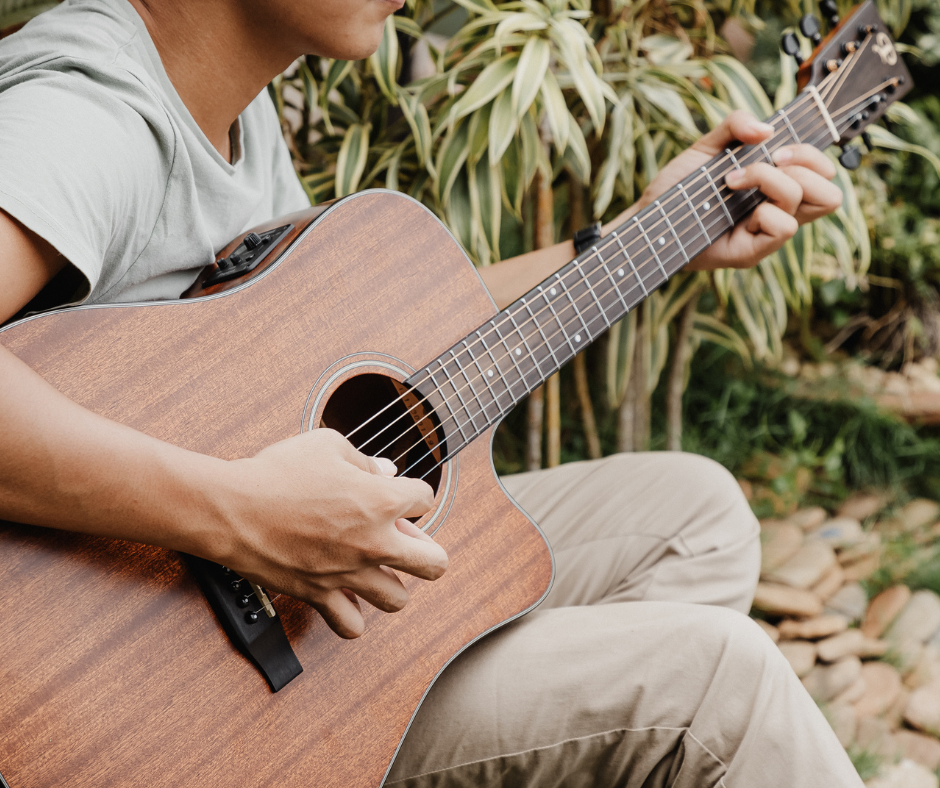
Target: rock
(918, 513)
(921, 749)
(800, 654)
(906, 774)
(851, 695)
(883, 609)
(807, 567)
(861, 506)
(824, 682)
(906, 654)
(927, 668)
(813, 628)
(895, 715)
(923, 708)
(874, 648)
(809, 518)
(919, 619)
(882, 687)
(869, 545)
(831, 582)
(779, 542)
(863, 569)
(850, 600)
(772, 632)
(842, 645)
(874, 734)
(784, 601)
(840, 532)
(841, 717)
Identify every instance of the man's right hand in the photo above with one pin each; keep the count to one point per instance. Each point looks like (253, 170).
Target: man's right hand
(314, 518)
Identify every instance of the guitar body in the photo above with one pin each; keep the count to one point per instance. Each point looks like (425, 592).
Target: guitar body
(113, 668)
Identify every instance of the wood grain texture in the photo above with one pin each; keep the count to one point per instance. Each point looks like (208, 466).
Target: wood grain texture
(113, 670)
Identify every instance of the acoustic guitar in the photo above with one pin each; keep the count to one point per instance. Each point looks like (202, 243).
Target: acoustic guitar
(127, 665)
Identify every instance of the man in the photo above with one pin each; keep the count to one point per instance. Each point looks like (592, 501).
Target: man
(136, 139)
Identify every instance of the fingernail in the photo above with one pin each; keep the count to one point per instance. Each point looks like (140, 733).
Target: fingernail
(386, 466)
(733, 177)
(783, 156)
(762, 128)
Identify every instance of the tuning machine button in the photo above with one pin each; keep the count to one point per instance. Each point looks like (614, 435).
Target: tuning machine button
(791, 46)
(866, 138)
(851, 158)
(809, 27)
(830, 10)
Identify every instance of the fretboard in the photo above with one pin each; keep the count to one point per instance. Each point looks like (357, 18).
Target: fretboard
(477, 381)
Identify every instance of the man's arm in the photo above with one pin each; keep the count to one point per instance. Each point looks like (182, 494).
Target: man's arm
(310, 516)
(798, 190)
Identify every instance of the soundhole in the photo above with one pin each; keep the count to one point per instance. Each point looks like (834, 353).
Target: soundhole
(385, 418)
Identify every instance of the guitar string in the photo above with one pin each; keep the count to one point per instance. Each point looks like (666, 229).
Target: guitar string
(590, 294)
(805, 99)
(675, 248)
(632, 245)
(841, 74)
(460, 446)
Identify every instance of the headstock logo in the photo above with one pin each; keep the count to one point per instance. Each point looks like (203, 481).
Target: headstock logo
(885, 49)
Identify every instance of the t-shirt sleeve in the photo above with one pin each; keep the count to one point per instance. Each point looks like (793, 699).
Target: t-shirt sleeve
(80, 167)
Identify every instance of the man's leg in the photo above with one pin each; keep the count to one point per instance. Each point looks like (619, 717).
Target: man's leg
(612, 682)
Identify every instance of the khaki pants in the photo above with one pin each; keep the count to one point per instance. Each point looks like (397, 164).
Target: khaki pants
(640, 668)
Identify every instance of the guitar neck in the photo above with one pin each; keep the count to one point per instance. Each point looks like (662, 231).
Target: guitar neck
(478, 380)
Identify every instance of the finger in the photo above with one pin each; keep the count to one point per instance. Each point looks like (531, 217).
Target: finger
(380, 587)
(417, 556)
(779, 187)
(770, 228)
(340, 614)
(820, 196)
(739, 126)
(411, 497)
(805, 156)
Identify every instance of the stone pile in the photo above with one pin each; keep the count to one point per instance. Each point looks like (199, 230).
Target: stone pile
(873, 665)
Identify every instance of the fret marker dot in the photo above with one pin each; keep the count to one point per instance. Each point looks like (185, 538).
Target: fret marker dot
(620, 272)
(518, 352)
(662, 241)
(707, 205)
(577, 337)
(553, 291)
(489, 373)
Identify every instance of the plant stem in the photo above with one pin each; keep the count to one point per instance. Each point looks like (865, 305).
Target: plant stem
(587, 409)
(553, 421)
(681, 356)
(536, 411)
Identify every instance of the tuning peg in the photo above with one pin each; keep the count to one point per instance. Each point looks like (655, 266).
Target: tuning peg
(851, 158)
(791, 46)
(809, 27)
(831, 11)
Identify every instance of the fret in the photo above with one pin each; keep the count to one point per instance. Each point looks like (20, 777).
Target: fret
(574, 306)
(734, 160)
(770, 159)
(636, 273)
(673, 229)
(636, 220)
(561, 326)
(472, 391)
(512, 319)
(483, 379)
(824, 112)
(446, 399)
(717, 194)
(786, 119)
(590, 287)
(514, 357)
(495, 363)
(613, 282)
(698, 219)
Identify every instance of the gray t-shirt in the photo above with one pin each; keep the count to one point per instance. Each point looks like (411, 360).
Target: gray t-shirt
(99, 156)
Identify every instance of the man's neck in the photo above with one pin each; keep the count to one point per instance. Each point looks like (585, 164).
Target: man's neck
(215, 57)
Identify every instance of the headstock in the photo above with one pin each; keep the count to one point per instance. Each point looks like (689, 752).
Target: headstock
(856, 70)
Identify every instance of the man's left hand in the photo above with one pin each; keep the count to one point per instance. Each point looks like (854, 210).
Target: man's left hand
(798, 190)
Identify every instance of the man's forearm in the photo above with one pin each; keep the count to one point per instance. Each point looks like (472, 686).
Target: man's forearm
(63, 466)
